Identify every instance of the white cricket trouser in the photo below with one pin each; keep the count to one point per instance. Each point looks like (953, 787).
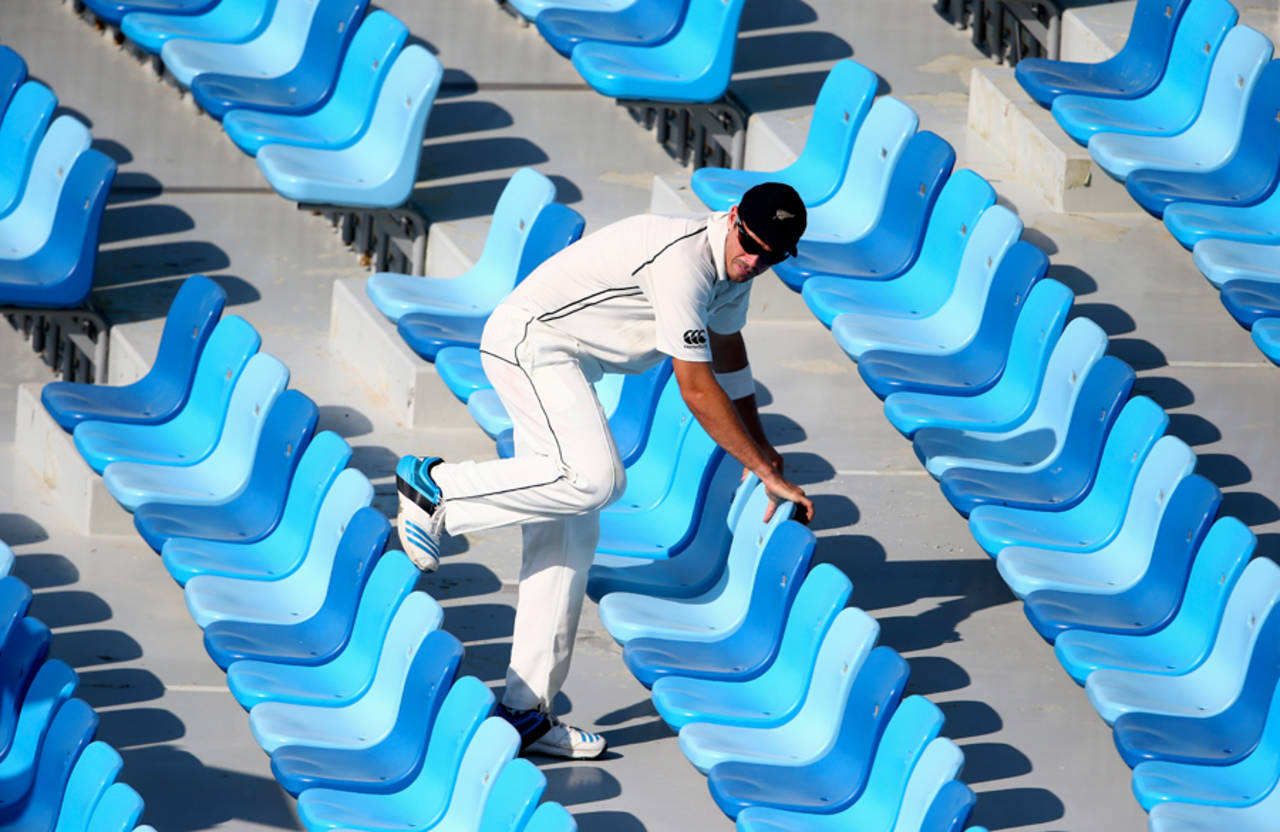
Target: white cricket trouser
(566, 468)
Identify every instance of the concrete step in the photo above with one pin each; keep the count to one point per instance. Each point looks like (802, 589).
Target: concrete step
(672, 195)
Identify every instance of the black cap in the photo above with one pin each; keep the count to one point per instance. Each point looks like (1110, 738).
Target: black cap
(774, 213)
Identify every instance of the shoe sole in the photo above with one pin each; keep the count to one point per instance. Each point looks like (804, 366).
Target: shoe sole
(412, 522)
(538, 747)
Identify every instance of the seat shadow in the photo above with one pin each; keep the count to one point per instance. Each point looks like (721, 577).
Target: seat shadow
(119, 154)
(455, 83)
(460, 580)
(64, 110)
(127, 222)
(1269, 546)
(1075, 279)
(1223, 470)
(479, 622)
(654, 729)
(1113, 320)
(938, 626)
(1167, 392)
(834, 511)
(69, 608)
(463, 157)
(134, 264)
(1249, 507)
(987, 761)
(1138, 353)
(775, 14)
(455, 118)
(804, 468)
(968, 718)
(134, 186)
(19, 530)
(609, 822)
(374, 461)
(44, 571)
(86, 648)
(1190, 427)
(779, 92)
(1042, 241)
(128, 304)
(643, 708)
(346, 422)
(131, 727)
(486, 662)
(781, 428)
(119, 686)
(932, 675)
(1010, 808)
(772, 51)
(463, 200)
(570, 784)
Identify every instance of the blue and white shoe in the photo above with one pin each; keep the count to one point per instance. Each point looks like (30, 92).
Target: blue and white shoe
(420, 518)
(543, 733)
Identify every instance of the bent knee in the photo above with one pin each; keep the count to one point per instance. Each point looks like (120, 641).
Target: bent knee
(599, 486)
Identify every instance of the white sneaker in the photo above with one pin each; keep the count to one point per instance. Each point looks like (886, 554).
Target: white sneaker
(543, 733)
(420, 517)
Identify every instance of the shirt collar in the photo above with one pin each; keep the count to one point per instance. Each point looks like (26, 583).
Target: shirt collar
(717, 231)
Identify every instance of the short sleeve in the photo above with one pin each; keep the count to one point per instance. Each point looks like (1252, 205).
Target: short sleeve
(680, 290)
(729, 314)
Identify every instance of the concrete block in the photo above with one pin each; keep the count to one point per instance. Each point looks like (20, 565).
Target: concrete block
(1039, 154)
(125, 363)
(1091, 34)
(672, 195)
(361, 337)
(773, 142)
(451, 250)
(72, 484)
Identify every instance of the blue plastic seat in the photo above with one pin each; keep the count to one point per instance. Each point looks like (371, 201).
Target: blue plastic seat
(1193, 222)
(692, 66)
(836, 778)
(380, 168)
(1250, 301)
(158, 395)
(271, 51)
(422, 802)
(71, 731)
(303, 87)
(923, 288)
(227, 21)
(15, 597)
(93, 773)
(1214, 136)
(1150, 602)
(26, 228)
(1213, 683)
(709, 615)
(6, 564)
(25, 646)
(950, 808)
(640, 23)
(772, 697)
(1175, 101)
(22, 126)
(318, 638)
(117, 811)
(385, 759)
(113, 11)
(222, 474)
(631, 421)
(461, 371)
(343, 118)
(532, 9)
(1225, 261)
(52, 685)
(187, 436)
(13, 72)
(1184, 643)
(893, 243)
(1063, 478)
(349, 674)
(511, 804)
(1132, 72)
(1266, 337)
(842, 105)
(1191, 817)
(1135, 462)
(478, 290)
(750, 648)
(1003, 335)
(1248, 177)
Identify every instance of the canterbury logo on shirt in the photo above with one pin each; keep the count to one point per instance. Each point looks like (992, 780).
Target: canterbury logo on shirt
(695, 337)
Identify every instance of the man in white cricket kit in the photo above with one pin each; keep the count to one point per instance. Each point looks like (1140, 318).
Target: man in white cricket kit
(618, 300)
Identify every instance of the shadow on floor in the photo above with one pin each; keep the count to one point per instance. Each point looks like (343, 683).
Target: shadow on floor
(19, 530)
(1011, 808)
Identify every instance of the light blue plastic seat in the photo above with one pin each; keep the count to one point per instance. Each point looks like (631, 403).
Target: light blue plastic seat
(938, 767)
(1191, 817)
(424, 801)
(963, 200)
(23, 125)
(296, 594)
(708, 616)
(227, 21)
(1111, 567)
(193, 431)
(159, 394)
(514, 798)
(1134, 464)
(1225, 261)
(693, 66)
(1132, 72)
(479, 289)
(342, 119)
(379, 170)
(772, 697)
(460, 369)
(1183, 644)
(1172, 105)
(551, 817)
(272, 51)
(13, 72)
(836, 778)
(1214, 137)
(530, 9)
(842, 105)
(1212, 684)
(26, 228)
(113, 11)
(97, 768)
(220, 475)
(348, 674)
(69, 734)
(117, 811)
(950, 808)
(1192, 222)
(646, 23)
(1266, 337)
(25, 646)
(52, 685)
(6, 564)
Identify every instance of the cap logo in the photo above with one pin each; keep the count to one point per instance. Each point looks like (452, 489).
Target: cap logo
(781, 215)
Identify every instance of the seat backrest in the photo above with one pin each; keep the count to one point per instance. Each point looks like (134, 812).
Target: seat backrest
(1170, 548)
(552, 817)
(993, 312)
(937, 766)
(466, 707)
(351, 491)
(822, 595)
(704, 45)
(332, 28)
(912, 728)
(391, 581)
(1151, 35)
(15, 598)
(515, 219)
(193, 315)
(373, 48)
(1232, 77)
(914, 184)
(950, 808)
(963, 200)
(263, 380)
(71, 732)
(118, 811)
(53, 684)
(283, 440)
(24, 651)
(1195, 45)
(96, 769)
(277, 48)
(778, 576)
(1169, 462)
(1220, 562)
(555, 228)
(13, 72)
(66, 260)
(751, 533)
(24, 123)
(27, 227)
(389, 151)
(325, 456)
(856, 206)
(843, 103)
(1252, 602)
(515, 795)
(834, 674)
(493, 745)
(633, 416)
(1036, 332)
(223, 358)
(655, 468)
(1081, 346)
(996, 231)
(1137, 429)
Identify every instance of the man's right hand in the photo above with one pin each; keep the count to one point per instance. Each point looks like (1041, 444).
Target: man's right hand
(779, 490)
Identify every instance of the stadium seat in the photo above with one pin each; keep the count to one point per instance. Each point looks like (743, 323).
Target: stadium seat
(893, 243)
(1215, 135)
(377, 742)
(15, 598)
(1190, 817)
(378, 170)
(1212, 684)
(750, 648)
(692, 66)
(319, 637)
(950, 808)
(163, 391)
(27, 227)
(222, 474)
(551, 817)
(1134, 463)
(13, 73)
(117, 811)
(1174, 102)
(348, 675)
(1192, 222)
(1150, 602)
(227, 21)
(188, 435)
(6, 564)
(1250, 301)
(1225, 261)
(1183, 644)
(978, 367)
(461, 371)
(22, 126)
(343, 118)
(71, 731)
(93, 773)
(514, 798)
(772, 697)
(113, 11)
(842, 105)
(52, 685)
(964, 200)
(425, 800)
(872, 722)
(25, 646)
(639, 23)
(1248, 177)
(272, 51)
(531, 9)
(1130, 73)
(1266, 336)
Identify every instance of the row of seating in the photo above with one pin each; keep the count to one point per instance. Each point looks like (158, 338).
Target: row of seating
(53, 774)
(1185, 116)
(349, 682)
(53, 190)
(1094, 516)
(331, 103)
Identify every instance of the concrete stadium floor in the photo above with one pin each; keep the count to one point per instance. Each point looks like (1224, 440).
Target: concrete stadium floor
(188, 201)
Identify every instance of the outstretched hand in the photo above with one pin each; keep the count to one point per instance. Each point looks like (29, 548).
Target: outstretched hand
(779, 490)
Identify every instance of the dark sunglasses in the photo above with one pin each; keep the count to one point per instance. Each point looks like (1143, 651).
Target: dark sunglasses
(750, 246)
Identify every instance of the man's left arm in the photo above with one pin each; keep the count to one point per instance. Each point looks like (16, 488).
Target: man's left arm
(729, 361)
